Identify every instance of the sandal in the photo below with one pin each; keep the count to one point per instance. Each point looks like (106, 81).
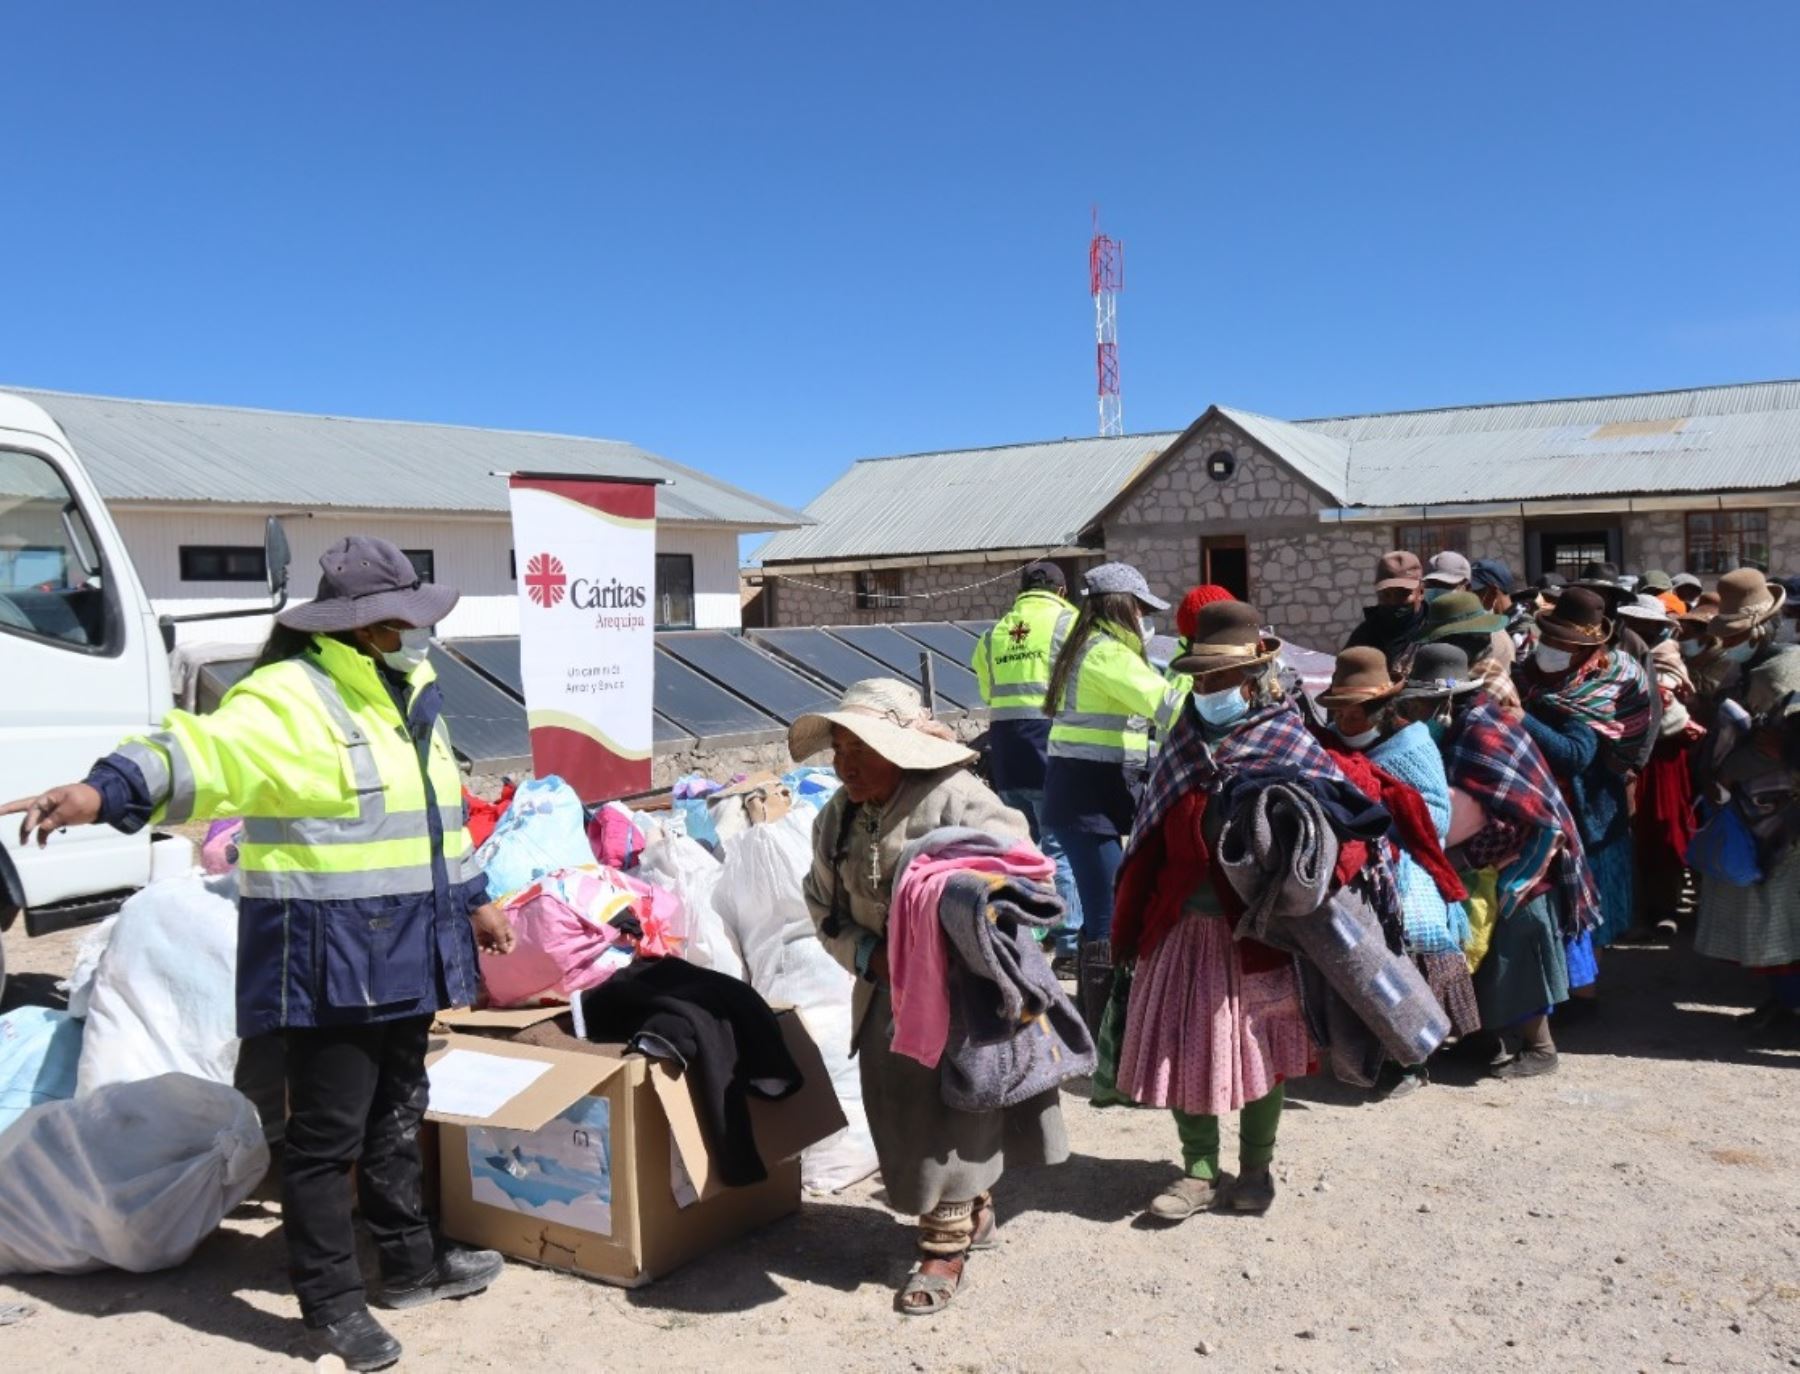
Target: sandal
(987, 1229)
(936, 1289)
(1184, 1197)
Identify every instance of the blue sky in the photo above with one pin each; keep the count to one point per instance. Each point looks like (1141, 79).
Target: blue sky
(769, 239)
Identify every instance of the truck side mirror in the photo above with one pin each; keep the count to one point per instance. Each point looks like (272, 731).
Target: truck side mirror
(276, 558)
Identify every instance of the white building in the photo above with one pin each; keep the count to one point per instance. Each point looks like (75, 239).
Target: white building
(191, 486)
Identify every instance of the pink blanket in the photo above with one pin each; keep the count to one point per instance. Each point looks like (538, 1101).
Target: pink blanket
(918, 953)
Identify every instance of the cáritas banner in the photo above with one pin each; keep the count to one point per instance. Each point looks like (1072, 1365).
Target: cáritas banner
(586, 556)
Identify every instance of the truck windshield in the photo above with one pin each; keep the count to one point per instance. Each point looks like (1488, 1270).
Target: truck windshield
(50, 579)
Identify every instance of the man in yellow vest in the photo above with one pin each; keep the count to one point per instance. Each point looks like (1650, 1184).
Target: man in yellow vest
(1012, 662)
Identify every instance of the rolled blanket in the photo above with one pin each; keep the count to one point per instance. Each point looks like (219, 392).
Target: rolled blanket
(1279, 852)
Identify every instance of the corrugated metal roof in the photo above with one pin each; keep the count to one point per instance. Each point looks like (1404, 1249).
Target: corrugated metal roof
(1024, 496)
(164, 451)
(1321, 459)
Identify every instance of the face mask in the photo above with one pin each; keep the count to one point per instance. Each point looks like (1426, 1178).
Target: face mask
(1148, 624)
(1222, 708)
(1392, 617)
(1361, 740)
(1552, 660)
(1690, 648)
(414, 646)
(1741, 653)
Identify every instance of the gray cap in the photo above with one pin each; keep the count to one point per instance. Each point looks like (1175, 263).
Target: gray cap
(1646, 607)
(1122, 577)
(366, 581)
(1449, 570)
(1686, 580)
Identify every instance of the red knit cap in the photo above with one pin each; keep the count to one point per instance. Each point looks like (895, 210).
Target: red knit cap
(1189, 609)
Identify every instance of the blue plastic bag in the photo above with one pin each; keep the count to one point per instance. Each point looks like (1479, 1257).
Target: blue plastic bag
(1724, 849)
(543, 831)
(40, 1051)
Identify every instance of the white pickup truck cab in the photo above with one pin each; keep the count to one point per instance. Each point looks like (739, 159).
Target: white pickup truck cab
(83, 663)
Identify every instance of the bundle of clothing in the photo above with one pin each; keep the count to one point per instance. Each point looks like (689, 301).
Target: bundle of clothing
(972, 990)
(576, 928)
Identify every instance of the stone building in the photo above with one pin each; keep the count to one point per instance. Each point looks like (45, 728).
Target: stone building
(1294, 515)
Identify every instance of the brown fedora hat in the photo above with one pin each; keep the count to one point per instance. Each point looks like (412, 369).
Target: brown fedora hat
(1227, 634)
(1360, 677)
(1747, 599)
(1578, 619)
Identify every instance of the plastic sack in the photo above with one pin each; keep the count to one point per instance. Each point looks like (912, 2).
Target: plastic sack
(219, 853)
(614, 836)
(687, 868)
(164, 999)
(542, 832)
(40, 1050)
(762, 901)
(565, 942)
(79, 985)
(132, 1177)
(1724, 849)
(812, 785)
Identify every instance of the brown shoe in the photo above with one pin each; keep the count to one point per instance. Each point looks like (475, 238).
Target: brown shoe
(1529, 1064)
(1184, 1197)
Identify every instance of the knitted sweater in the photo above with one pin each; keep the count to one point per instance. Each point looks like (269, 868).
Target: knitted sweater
(1433, 925)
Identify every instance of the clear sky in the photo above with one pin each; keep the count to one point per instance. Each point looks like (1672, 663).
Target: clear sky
(766, 239)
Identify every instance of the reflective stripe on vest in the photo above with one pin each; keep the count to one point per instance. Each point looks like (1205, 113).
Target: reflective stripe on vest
(1021, 696)
(1101, 736)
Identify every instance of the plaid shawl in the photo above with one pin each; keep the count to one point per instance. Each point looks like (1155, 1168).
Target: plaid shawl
(1495, 762)
(1610, 695)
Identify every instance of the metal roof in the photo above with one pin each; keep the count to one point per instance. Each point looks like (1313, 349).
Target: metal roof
(1023, 496)
(165, 451)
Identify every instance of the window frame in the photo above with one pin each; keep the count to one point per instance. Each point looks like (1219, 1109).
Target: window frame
(113, 640)
(427, 574)
(1449, 536)
(1728, 551)
(693, 608)
(226, 551)
(871, 598)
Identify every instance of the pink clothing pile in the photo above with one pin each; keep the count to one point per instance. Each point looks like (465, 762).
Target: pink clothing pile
(575, 929)
(918, 954)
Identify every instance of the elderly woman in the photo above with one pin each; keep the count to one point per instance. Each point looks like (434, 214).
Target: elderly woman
(1664, 821)
(904, 778)
(1365, 704)
(1757, 770)
(1213, 1024)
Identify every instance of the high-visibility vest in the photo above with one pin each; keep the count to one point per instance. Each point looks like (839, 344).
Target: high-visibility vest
(354, 857)
(1012, 661)
(1180, 686)
(1108, 701)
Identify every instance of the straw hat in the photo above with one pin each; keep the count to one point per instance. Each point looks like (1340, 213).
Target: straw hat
(1361, 677)
(890, 718)
(1438, 671)
(1227, 634)
(1578, 619)
(1747, 599)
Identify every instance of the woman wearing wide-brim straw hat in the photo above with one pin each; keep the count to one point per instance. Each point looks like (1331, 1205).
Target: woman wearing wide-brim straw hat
(1757, 926)
(1212, 1024)
(904, 775)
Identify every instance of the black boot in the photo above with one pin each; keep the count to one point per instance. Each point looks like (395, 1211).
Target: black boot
(457, 1274)
(1094, 982)
(359, 1341)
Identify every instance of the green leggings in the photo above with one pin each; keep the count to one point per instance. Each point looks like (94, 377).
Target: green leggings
(1257, 1125)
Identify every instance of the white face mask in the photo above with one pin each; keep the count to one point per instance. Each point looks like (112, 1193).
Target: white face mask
(1690, 648)
(1552, 660)
(1359, 741)
(415, 645)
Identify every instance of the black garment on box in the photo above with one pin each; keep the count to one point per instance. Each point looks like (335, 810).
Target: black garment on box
(723, 1034)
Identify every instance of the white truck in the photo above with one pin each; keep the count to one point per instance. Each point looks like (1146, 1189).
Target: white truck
(84, 661)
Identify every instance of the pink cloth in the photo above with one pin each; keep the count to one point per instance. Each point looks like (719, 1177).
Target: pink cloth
(917, 952)
(1203, 1035)
(565, 944)
(615, 838)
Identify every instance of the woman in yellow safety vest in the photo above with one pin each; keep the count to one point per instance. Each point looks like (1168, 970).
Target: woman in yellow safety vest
(360, 909)
(1103, 694)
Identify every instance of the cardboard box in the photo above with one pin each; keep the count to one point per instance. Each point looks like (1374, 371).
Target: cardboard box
(597, 1165)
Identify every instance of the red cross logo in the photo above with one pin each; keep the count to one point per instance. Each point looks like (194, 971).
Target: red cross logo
(1019, 633)
(545, 581)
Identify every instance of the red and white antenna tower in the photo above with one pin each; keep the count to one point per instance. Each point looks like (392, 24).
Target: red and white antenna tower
(1106, 278)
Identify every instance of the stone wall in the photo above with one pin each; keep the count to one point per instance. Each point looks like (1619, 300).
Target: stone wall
(1502, 538)
(942, 591)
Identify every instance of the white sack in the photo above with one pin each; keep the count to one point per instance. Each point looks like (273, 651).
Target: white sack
(133, 1177)
(80, 984)
(764, 906)
(686, 868)
(164, 997)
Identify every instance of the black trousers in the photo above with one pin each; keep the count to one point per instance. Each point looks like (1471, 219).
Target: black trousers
(356, 1096)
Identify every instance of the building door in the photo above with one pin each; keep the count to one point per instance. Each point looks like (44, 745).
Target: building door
(1225, 562)
(1565, 546)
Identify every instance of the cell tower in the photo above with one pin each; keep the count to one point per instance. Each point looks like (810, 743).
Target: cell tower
(1106, 278)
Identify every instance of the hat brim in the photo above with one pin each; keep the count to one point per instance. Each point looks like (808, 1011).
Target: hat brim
(1387, 584)
(1557, 632)
(1484, 624)
(1736, 622)
(1332, 700)
(1437, 691)
(1444, 580)
(902, 746)
(1150, 602)
(1676, 584)
(1196, 663)
(419, 607)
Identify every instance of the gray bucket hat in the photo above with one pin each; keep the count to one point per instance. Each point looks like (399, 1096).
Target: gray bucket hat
(1122, 577)
(1438, 671)
(366, 581)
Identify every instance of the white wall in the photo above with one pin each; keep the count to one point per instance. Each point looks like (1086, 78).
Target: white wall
(471, 554)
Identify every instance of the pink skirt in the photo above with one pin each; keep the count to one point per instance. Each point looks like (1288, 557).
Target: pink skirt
(1201, 1035)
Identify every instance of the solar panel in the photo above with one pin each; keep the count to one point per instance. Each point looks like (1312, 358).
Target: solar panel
(975, 627)
(820, 654)
(498, 658)
(702, 707)
(665, 731)
(487, 727)
(955, 683)
(734, 662)
(952, 641)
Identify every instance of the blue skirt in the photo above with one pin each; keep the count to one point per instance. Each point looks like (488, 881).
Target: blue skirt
(1610, 864)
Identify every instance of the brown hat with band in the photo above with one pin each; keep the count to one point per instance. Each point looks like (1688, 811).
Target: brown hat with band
(1398, 569)
(1578, 619)
(1227, 635)
(1361, 677)
(1747, 599)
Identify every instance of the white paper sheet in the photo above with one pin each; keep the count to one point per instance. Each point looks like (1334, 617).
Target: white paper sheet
(469, 1083)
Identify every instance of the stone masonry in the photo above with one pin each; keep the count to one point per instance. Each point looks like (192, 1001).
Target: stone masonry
(942, 591)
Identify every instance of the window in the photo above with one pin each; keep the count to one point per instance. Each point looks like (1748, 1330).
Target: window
(1723, 541)
(883, 590)
(223, 563)
(51, 583)
(674, 591)
(1429, 538)
(424, 563)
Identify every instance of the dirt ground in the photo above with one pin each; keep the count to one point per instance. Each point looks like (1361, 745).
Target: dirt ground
(1638, 1211)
